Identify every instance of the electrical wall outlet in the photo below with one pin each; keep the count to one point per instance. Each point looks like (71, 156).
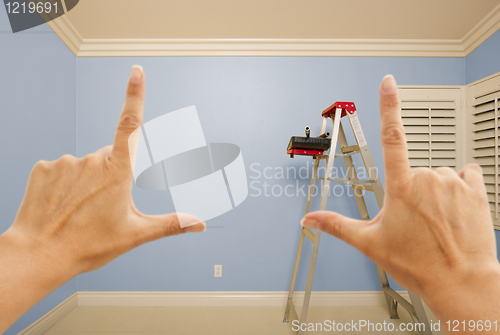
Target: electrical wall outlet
(217, 270)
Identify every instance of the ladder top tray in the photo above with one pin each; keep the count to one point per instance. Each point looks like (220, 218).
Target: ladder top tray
(347, 107)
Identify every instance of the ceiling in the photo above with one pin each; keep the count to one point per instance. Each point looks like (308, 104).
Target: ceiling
(282, 19)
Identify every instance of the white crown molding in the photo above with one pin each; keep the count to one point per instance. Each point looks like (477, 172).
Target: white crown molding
(276, 47)
(482, 31)
(47, 321)
(65, 30)
(269, 47)
(204, 299)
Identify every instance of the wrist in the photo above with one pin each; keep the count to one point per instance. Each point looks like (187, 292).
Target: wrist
(452, 297)
(27, 275)
(32, 260)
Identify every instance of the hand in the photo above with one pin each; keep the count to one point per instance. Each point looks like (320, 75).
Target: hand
(434, 234)
(78, 215)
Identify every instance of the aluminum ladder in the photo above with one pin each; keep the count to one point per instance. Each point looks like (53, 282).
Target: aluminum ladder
(338, 110)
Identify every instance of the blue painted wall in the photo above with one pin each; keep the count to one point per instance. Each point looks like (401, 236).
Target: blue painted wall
(256, 103)
(38, 99)
(484, 60)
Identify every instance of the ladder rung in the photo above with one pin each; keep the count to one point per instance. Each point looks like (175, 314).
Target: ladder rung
(292, 313)
(347, 151)
(310, 235)
(350, 148)
(364, 187)
(351, 182)
(347, 154)
(402, 301)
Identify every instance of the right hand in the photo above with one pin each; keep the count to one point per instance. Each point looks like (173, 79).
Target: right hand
(434, 234)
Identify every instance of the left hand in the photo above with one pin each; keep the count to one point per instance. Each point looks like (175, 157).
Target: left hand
(77, 215)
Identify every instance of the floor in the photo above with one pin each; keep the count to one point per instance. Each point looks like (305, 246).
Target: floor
(214, 320)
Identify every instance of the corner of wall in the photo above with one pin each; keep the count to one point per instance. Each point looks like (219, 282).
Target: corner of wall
(484, 60)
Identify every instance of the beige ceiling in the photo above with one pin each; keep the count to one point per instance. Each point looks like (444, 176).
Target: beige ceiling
(335, 19)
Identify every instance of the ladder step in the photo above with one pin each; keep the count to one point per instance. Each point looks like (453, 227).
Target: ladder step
(346, 151)
(347, 154)
(290, 312)
(364, 187)
(310, 235)
(349, 181)
(402, 301)
(350, 148)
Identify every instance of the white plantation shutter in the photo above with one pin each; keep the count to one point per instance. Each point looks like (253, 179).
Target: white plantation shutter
(484, 103)
(432, 119)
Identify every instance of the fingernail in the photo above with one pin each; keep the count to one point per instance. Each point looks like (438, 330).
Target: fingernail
(187, 220)
(389, 85)
(200, 227)
(136, 74)
(308, 222)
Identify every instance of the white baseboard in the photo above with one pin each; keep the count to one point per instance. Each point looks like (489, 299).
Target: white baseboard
(215, 299)
(251, 298)
(47, 321)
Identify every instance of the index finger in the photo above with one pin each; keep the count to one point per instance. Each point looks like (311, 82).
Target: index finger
(131, 117)
(393, 135)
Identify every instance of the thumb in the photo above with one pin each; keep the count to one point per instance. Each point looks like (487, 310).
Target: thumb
(348, 230)
(154, 227)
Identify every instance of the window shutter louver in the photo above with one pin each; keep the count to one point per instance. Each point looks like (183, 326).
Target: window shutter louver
(430, 119)
(483, 109)
(485, 132)
(440, 132)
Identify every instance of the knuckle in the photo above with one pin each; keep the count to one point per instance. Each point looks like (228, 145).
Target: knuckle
(448, 176)
(473, 167)
(90, 159)
(171, 229)
(336, 230)
(425, 181)
(432, 183)
(393, 134)
(425, 174)
(333, 226)
(390, 101)
(67, 160)
(93, 163)
(444, 169)
(129, 123)
(135, 91)
(41, 166)
(421, 171)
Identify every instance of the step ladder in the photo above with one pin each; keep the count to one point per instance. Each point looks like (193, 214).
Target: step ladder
(338, 110)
